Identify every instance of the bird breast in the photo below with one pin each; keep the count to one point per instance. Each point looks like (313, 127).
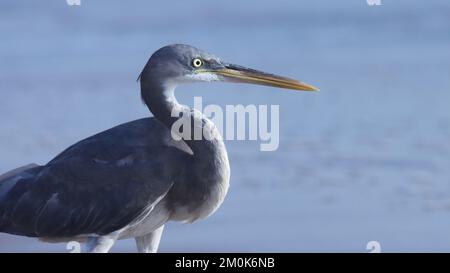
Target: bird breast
(208, 180)
(207, 200)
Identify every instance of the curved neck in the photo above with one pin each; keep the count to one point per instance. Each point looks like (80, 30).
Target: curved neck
(161, 101)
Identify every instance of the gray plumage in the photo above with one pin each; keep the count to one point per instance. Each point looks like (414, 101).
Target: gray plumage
(98, 185)
(129, 180)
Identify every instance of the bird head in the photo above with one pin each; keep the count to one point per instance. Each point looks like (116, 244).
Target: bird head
(176, 64)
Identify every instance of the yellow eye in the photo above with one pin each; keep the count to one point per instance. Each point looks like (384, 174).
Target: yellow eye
(197, 62)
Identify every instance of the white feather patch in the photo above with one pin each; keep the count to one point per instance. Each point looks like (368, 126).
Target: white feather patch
(202, 77)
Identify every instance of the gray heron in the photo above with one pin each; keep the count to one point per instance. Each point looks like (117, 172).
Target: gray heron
(128, 181)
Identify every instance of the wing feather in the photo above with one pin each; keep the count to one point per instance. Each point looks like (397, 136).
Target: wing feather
(98, 185)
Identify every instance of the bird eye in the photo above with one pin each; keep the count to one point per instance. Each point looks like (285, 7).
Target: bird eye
(197, 62)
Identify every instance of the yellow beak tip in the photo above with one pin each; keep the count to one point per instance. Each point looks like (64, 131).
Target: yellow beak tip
(307, 87)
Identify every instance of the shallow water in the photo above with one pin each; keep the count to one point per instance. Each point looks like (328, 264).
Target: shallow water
(367, 158)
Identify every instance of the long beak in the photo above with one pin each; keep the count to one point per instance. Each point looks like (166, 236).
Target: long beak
(236, 73)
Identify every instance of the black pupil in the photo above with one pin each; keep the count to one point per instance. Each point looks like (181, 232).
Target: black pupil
(197, 62)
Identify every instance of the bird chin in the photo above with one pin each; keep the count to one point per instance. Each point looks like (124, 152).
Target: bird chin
(202, 77)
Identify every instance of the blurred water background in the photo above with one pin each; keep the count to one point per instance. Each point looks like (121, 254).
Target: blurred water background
(367, 158)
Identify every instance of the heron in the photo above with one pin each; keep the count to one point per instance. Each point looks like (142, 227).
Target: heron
(130, 180)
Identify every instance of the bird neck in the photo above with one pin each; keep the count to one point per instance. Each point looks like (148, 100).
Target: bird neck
(199, 133)
(160, 100)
